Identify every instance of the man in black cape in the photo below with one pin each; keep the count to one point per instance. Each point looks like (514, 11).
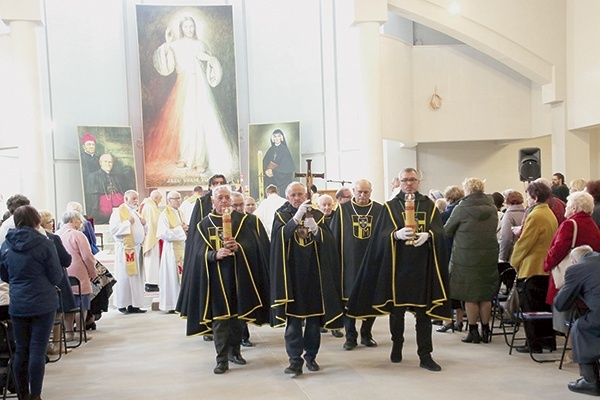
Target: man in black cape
(201, 209)
(224, 280)
(303, 266)
(396, 276)
(352, 227)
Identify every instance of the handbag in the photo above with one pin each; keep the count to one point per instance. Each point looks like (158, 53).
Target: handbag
(558, 272)
(511, 306)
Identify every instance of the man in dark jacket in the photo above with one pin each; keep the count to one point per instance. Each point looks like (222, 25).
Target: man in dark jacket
(582, 280)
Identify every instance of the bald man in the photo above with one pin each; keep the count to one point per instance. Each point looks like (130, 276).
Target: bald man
(352, 228)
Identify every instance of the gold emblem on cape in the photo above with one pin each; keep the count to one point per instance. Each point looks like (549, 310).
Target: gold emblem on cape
(362, 226)
(215, 237)
(302, 235)
(421, 218)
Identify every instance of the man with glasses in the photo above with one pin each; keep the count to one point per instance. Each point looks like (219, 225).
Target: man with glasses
(405, 269)
(172, 229)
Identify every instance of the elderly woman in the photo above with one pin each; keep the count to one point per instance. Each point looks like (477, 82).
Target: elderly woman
(452, 195)
(83, 264)
(88, 228)
(593, 188)
(68, 301)
(576, 185)
(28, 262)
(513, 217)
(474, 260)
(532, 246)
(580, 206)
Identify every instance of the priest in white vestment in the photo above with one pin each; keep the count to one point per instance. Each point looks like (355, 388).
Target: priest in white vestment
(172, 229)
(266, 209)
(129, 229)
(150, 212)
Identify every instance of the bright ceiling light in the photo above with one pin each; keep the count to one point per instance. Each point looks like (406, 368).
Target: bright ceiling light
(454, 7)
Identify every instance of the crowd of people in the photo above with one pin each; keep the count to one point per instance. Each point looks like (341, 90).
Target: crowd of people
(316, 264)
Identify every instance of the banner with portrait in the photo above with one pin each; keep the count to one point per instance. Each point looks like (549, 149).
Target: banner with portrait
(107, 168)
(189, 95)
(274, 156)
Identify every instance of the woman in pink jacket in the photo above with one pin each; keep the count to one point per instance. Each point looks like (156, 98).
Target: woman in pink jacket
(83, 264)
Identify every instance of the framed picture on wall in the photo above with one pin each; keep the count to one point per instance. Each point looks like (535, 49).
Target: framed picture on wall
(107, 168)
(274, 156)
(189, 96)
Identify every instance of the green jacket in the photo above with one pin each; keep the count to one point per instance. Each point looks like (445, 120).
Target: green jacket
(474, 260)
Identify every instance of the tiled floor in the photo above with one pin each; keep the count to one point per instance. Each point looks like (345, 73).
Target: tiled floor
(147, 356)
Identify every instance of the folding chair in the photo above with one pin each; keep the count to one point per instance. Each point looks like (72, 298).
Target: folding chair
(62, 337)
(82, 331)
(535, 316)
(7, 377)
(507, 279)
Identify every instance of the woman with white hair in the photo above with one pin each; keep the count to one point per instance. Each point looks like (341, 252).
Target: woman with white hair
(83, 264)
(88, 228)
(578, 212)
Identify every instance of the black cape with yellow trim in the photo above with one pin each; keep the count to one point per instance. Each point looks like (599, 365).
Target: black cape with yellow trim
(236, 286)
(303, 272)
(189, 276)
(352, 227)
(394, 274)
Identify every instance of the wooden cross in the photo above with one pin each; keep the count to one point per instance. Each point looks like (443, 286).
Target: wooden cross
(309, 177)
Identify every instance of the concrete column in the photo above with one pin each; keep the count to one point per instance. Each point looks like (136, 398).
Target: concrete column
(368, 17)
(24, 18)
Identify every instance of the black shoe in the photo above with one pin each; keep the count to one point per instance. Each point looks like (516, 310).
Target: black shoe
(369, 342)
(221, 368)
(486, 335)
(135, 310)
(237, 359)
(448, 327)
(458, 326)
(247, 343)
(429, 364)
(312, 365)
(91, 327)
(123, 310)
(396, 354)
(472, 337)
(350, 344)
(323, 330)
(525, 349)
(207, 338)
(149, 287)
(337, 333)
(581, 385)
(293, 369)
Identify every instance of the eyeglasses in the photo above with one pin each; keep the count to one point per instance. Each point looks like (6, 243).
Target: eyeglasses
(411, 180)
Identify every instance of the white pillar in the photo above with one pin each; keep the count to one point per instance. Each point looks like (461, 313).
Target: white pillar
(368, 17)
(24, 18)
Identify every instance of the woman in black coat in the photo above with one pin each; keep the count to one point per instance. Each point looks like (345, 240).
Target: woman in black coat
(29, 263)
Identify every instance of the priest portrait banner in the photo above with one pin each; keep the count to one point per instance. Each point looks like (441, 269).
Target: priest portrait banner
(107, 168)
(188, 94)
(274, 156)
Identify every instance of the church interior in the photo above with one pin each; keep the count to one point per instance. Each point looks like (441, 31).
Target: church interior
(454, 88)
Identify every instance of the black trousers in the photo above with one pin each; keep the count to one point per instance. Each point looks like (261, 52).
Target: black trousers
(296, 342)
(365, 328)
(422, 326)
(246, 331)
(227, 337)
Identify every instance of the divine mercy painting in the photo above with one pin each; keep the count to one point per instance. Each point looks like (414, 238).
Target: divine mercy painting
(189, 97)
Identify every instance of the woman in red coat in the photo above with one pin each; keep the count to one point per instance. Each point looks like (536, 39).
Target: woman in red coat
(580, 206)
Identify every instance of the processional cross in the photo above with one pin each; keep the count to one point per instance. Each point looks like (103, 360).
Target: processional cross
(309, 177)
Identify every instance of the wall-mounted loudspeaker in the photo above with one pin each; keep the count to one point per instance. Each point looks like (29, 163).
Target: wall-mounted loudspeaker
(530, 164)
